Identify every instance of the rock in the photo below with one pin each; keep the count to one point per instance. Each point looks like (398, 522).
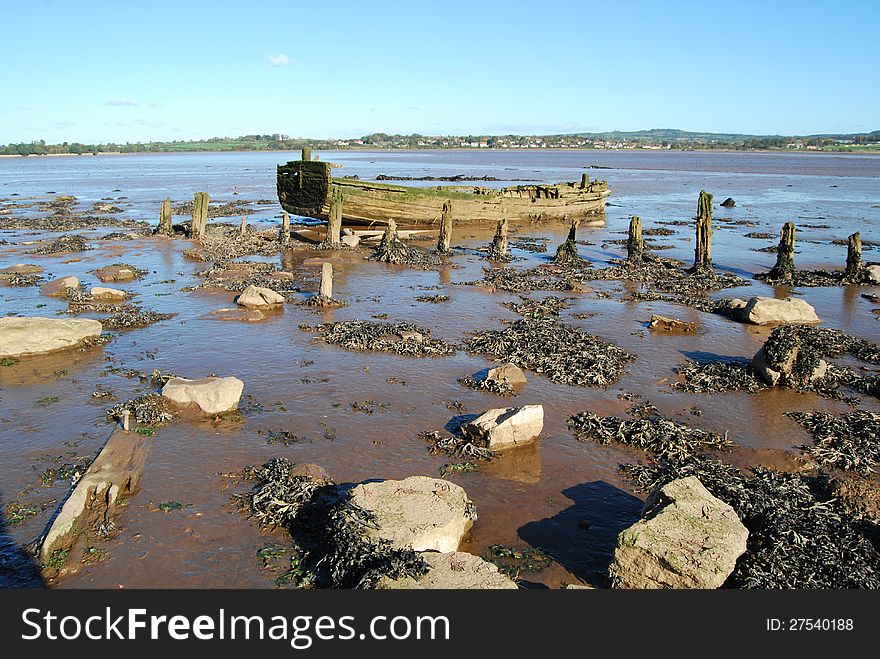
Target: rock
(728, 203)
(36, 335)
(737, 303)
(118, 272)
(768, 310)
(666, 324)
(58, 287)
(350, 240)
(419, 512)
(687, 539)
(859, 495)
(411, 335)
(504, 427)
(239, 313)
(22, 269)
(113, 475)
(783, 372)
(313, 472)
(211, 395)
(452, 571)
(257, 296)
(510, 374)
(108, 294)
(872, 273)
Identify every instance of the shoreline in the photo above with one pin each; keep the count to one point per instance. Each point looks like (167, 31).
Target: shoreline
(458, 150)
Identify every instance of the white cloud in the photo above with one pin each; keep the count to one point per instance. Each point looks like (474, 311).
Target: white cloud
(278, 60)
(122, 102)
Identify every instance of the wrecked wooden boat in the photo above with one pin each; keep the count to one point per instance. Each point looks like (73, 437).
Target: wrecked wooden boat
(306, 187)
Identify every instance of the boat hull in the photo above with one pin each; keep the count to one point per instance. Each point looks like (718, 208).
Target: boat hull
(305, 188)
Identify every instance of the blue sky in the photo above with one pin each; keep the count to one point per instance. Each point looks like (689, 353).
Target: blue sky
(127, 71)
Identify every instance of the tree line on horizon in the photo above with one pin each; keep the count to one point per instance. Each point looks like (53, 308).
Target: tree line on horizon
(664, 138)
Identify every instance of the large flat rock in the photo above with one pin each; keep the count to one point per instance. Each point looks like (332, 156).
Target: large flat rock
(688, 539)
(210, 395)
(37, 335)
(505, 427)
(771, 311)
(452, 571)
(419, 512)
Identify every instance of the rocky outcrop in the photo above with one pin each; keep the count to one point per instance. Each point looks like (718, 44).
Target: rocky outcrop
(509, 374)
(419, 512)
(107, 294)
(782, 369)
(687, 539)
(37, 335)
(505, 427)
(59, 287)
(257, 296)
(114, 475)
(771, 311)
(210, 395)
(117, 272)
(452, 571)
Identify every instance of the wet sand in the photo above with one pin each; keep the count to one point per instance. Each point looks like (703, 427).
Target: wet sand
(563, 496)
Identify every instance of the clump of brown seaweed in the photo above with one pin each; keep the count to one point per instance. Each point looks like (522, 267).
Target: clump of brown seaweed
(648, 431)
(149, 409)
(565, 354)
(456, 445)
(398, 338)
(62, 245)
(848, 441)
(529, 308)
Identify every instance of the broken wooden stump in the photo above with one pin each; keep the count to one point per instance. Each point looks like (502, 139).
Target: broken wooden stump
(200, 214)
(784, 268)
(326, 280)
(635, 243)
(703, 249)
(333, 239)
(165, 227)
(499, 249)
(391, 248)
(585, 181)
(111, 478)
(853, 272)
(306, 153)
(567, 252)
(243, 228)
(285, 228)
(445, 239)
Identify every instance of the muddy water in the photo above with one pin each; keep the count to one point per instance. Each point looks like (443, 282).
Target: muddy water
(563, 496)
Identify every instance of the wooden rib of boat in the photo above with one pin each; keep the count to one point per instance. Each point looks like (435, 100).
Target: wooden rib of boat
(305, 187)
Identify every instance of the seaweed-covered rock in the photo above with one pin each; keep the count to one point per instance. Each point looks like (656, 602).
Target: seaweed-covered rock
(118, 272)
(419, 512)
(36, 335)
(687, 539)
(769, 311)
(257, 296)
(506, 427)
(210, 395)
(507, 374)
(666, 324)
(454, 570)
(59, 287)
(780, 368)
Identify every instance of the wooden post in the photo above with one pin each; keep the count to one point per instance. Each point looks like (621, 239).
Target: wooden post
(307, 153)
(853, 271)
(703, 249)
(200, 214)
(784, 268)
(585, 181)
(498, 250)
(445, 239)
(243, 225)
(334, 221)
(165, 227)
(567, 252)
(285, 228)
(326, 281)
(126, 416)
(635, 244)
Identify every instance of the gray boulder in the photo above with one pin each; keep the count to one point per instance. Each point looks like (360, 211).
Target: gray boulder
(770, 311)
(210, 395)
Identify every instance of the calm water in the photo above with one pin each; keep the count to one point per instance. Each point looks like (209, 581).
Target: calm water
(561, 495)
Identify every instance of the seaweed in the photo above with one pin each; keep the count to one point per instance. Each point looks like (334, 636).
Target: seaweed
(149, 409)
(848, 441)
(564, 354)
(456, 446)
(799, 535)
(717, 377)
(383, 337)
